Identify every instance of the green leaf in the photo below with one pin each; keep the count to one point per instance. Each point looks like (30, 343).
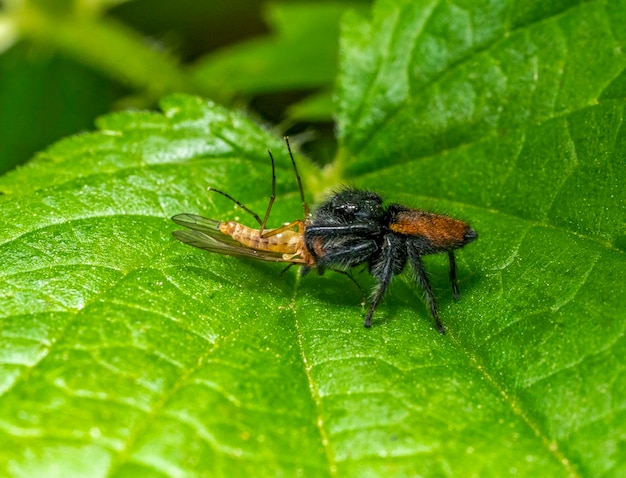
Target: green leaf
(469, 74)
(126, 353)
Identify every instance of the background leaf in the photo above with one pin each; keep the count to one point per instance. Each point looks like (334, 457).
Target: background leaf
(127, 353)
(302, 53)
(25, 99)
(63, 63)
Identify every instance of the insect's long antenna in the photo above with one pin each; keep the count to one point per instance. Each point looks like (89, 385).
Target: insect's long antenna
(305, 206)
(238, 203)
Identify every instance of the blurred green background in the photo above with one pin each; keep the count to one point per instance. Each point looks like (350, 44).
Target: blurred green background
(64, 62)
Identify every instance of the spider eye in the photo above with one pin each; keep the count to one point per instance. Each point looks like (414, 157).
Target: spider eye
(347, 210)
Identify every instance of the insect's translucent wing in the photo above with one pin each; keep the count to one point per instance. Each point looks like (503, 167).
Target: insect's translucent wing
(211, 244)
(205, 234)
(205, 225)
(199, 223)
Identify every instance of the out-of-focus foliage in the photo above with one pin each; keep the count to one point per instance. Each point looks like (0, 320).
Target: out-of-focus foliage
(64, 63)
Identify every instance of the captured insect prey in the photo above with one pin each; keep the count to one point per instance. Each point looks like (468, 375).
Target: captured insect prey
(350, 228)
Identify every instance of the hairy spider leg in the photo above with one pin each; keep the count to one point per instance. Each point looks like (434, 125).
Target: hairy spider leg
(422, 279)
(455, 286)
(352, 256)
(346, 229)
(314, 232)
(383, 271)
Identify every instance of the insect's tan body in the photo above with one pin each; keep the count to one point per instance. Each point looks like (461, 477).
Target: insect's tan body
(288, 240)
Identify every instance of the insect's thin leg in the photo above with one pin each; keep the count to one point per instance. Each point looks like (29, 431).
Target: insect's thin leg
(272, 197)
(238, 203)
(286, 269)
(422, 278)
(305, 206)
(306, 270)
(349, 276)
(455, 286)
(297, 223)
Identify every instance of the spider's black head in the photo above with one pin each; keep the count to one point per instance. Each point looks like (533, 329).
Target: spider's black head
(350, 206)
